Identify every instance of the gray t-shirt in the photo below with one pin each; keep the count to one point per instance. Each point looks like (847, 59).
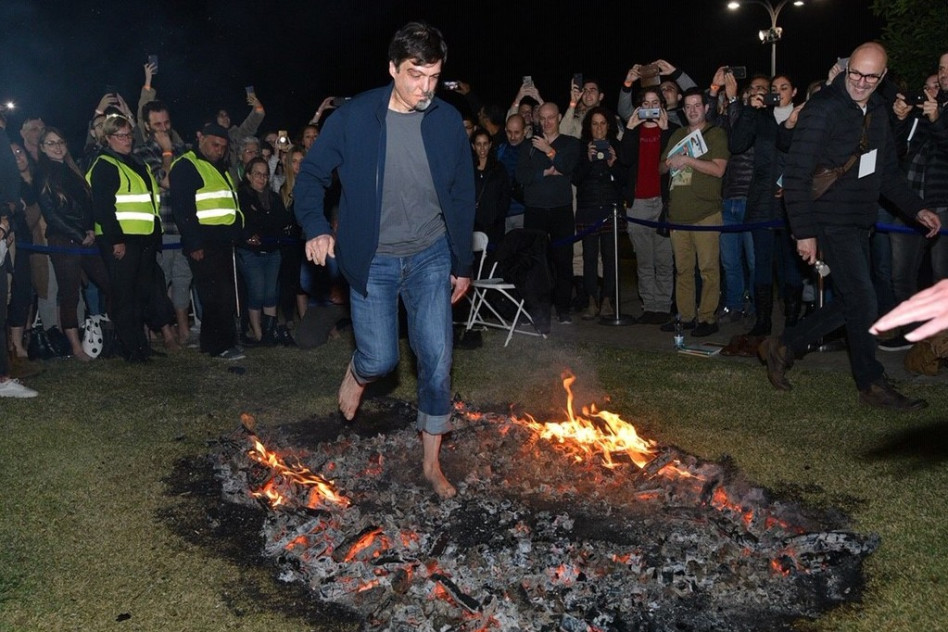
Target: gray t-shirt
(411, 214)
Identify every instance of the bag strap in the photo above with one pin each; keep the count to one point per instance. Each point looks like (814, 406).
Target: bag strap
(861, 149)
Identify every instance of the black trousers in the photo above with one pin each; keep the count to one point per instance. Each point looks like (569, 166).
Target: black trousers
(846, 251)
(559, 225)
(132, 278)
(214, 281)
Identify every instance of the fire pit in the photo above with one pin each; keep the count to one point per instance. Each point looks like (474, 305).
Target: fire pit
(576, 525)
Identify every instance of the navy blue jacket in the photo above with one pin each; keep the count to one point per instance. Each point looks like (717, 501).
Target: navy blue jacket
(353, 142)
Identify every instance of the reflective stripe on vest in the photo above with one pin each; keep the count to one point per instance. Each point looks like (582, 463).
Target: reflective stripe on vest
(215, 202)
(136, 206)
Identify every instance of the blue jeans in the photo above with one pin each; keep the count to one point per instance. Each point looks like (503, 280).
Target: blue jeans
(733, 246)
(423, 281)
(261, 272)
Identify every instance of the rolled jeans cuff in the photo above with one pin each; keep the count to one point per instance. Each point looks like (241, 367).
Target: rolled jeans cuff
(433, 424)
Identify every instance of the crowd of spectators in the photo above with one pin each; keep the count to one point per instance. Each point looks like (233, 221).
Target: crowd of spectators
(193, 241)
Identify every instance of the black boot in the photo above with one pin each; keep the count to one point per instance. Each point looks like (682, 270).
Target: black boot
(793, 301)
(764, 304)
(268, 330)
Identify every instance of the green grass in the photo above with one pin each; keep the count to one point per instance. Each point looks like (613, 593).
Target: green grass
(82, 469)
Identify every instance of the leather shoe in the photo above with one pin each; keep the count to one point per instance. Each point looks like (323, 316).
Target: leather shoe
(880, 394)
(778, 359)
(704, 329)
(652, 318)
(685, 324)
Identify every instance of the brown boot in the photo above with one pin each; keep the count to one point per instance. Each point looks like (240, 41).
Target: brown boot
(779, 359)
(880, 394)
(21, 368)
(607, 310)
(591, 310)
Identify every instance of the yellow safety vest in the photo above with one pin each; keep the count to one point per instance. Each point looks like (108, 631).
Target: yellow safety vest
(216, 201)
(136, 206)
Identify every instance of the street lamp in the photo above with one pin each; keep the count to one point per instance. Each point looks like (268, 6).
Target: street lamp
(774, 33)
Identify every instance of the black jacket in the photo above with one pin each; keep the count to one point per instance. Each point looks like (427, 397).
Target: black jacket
(598, 186)
(931, 141)
(492, 198)
(269, 222)
(827, 134)
(756, 128)
(64, 201)
(629, 156)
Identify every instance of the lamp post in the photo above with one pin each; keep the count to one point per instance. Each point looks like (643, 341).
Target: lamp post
(772, 35)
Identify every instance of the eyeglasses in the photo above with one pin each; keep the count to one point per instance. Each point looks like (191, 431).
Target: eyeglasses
(123, 135)
(258, 174)
(871, 79)
(55, 143)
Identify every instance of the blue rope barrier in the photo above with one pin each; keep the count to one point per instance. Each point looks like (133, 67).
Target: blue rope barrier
(730, 228)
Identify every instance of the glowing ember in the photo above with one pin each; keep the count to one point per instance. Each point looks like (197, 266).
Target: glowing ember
(321, 490)
(495, 563)
(604, 438)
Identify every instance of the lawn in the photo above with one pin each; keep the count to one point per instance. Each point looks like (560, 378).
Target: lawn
(84, 466)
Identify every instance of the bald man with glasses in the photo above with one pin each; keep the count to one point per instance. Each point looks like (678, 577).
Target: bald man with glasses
(845, 126)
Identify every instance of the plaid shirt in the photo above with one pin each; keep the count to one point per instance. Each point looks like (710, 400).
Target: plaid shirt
(150, 153)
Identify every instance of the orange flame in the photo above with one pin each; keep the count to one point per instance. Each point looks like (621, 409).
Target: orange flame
(580, 433)
(321, 489)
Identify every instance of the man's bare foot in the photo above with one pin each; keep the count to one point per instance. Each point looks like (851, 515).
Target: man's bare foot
(350, 394)
(431, 466)
(439, 483)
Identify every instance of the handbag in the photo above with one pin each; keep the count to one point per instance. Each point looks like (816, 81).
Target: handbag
(824, 177)
(92, 339)
(40, 347)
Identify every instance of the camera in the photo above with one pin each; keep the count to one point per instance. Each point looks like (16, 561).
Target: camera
(249, 90)
(771, 99)
(153, 60)
(283, 140)
(527, 80)
(739, 72)
(916, 98)
(338, 101)
(649, 113)
(602, 149)
(451, 85)
(578, 80)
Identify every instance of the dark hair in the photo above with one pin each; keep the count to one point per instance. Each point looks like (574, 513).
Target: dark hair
(418, 42)
(50, 179)
(611, 130)
(258, 160)
(491, 155)
(152, 106)
(696, 91)
(495, 114)
(640, 97)
(785, 76)
(592, 80)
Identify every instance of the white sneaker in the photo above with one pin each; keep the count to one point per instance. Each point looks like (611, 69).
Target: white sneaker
(234, 353)
(12, 388)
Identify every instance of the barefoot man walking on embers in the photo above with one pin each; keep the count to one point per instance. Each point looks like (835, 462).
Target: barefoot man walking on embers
(404, 229)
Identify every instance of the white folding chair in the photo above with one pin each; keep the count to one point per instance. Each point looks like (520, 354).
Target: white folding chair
(483, 313)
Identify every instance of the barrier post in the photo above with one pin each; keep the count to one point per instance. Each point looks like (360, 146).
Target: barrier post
(618, 319)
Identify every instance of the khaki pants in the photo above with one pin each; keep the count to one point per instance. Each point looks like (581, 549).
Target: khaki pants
(701, 247)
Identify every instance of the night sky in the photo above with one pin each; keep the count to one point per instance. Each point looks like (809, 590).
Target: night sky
(58, 57)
